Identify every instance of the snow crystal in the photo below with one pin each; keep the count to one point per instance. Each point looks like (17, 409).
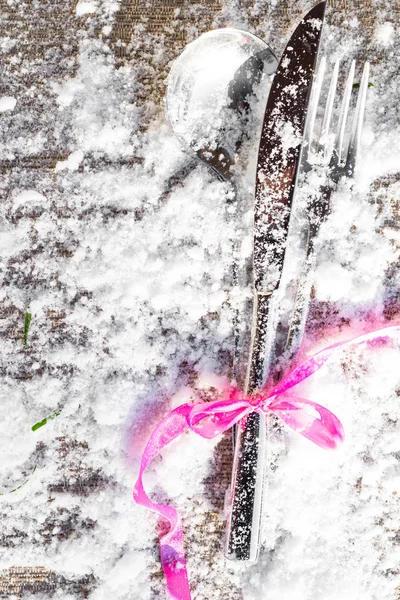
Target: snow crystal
(84, 8)
(73, 161)
(384, 34)
(7, 103)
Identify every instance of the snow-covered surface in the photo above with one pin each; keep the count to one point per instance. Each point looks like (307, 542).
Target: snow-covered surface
(123, 253)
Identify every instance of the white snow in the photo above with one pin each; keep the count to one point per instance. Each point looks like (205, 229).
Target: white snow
(384, 33)
(85, 8)
(72, 163)
(7, 103)
(143, 273)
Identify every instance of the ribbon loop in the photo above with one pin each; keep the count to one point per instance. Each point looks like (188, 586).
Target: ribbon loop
(311, 420)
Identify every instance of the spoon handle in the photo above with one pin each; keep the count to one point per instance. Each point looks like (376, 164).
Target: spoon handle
(244, 522)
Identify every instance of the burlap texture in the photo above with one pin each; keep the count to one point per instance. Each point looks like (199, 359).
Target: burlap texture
(47, 36)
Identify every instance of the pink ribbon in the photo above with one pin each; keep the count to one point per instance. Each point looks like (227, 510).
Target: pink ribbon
(210, 419)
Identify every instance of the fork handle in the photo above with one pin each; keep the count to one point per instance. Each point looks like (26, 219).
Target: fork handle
(300, 309)
(244, 521)
(318, 212)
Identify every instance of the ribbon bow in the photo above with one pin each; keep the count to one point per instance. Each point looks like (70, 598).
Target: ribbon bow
(210, 419)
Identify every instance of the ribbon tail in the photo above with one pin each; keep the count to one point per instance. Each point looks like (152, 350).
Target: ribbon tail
(174, 563)
(311, 420)
(207, 420)
(315, 362)
(171, 544)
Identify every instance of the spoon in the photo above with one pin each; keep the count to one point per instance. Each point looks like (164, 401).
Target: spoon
(208, 92)
(207, 101)
(208, 95)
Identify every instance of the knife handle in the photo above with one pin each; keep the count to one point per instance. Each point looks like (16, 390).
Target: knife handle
(244, 521)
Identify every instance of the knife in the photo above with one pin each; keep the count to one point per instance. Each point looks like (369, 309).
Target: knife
(278, 160)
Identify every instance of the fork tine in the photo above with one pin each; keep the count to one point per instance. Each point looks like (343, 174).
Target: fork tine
(338, 148)
(313, 107)
(355, 138)
(328, 110)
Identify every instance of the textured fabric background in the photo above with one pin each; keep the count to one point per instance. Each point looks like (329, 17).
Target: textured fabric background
(40, 42)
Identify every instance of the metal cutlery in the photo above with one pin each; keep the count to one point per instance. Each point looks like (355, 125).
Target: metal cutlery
(208, 90)
(289, 150)
(278, 162)
(340, 162)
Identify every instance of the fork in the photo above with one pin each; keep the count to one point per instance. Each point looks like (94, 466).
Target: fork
(341, 163)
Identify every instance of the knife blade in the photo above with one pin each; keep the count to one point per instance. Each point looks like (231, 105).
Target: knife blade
(278, 159)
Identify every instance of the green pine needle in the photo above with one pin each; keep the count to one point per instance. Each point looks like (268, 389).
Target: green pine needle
(357, 85)
(34, 428)
(39, 425)
(20, 485)
(44, 421)
(28, 318)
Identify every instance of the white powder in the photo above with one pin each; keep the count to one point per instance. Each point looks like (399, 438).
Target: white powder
(84, 8)
(7, 103)
(149, 305)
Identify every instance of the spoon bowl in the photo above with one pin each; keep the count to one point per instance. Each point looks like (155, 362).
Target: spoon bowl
(208, 92)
